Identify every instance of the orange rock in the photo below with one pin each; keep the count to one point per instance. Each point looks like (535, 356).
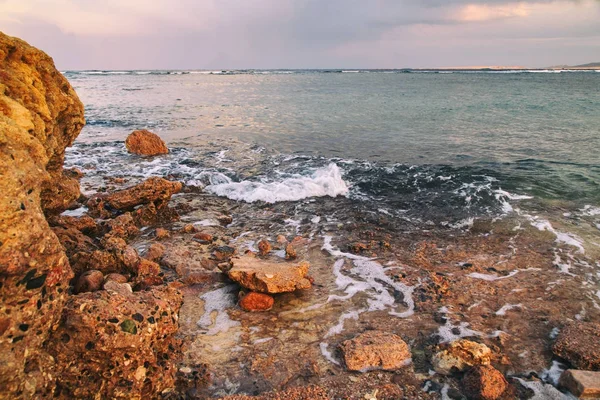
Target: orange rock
(375, 350)
(579, 343)
(189, 228)
(290, 252)
(161, 233)
(264, 247)
(254, 302)
(203, 237)
(269, 277)
(484, 382)
(145, 143)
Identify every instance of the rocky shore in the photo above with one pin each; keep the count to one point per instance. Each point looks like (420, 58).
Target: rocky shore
(157, 289)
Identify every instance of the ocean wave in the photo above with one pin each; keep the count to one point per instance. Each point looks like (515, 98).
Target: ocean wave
(326, 181)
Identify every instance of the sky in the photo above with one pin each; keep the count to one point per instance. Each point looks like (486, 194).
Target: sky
(244, 34)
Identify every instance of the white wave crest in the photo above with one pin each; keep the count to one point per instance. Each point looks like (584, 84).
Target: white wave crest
(326, 181)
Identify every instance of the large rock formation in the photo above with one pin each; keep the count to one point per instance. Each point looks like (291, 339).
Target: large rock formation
(40, 115)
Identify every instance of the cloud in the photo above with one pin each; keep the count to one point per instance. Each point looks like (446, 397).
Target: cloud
(302, 33)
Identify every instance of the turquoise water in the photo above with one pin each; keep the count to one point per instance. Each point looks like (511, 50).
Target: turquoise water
(537, 133)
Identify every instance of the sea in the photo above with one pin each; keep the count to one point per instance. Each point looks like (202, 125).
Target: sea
(486, 180)
(428, 143)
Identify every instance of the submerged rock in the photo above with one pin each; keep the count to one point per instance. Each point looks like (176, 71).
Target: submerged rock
(375, 350)
(484, 382)
(579, 343)
(146, 143)
(269, 277)
(40, 115)
(461, 355)
(254, 301)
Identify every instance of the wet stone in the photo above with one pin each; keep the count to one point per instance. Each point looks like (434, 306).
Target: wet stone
(461, 355)
(375, 350)
(256, 302)
(269, 277)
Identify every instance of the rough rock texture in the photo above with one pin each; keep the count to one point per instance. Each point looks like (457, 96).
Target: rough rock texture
(145, 143)
(298, 393)
(155, 252)
(40, 115)
(40, 101)
(154, 191)
(114, 345)
(269, 277)
(460, 355)
(375, 350)
(256, 302)
(484, 382)
(579, 343)
(583, 384)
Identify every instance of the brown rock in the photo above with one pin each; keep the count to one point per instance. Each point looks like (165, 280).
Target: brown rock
(461, 355)
(256, 302)
(269, 277)
(155, 252)
(73, 240)
(119, 278)
(203, 237)
(122, 226)
(583, 384)
(40, 115)
(264, 247)
(89, 281)
(484, 382)
(579, 343)
(375, 350)
(223, 253)
(125, 344)
(161, 233)
(224, 219)
(155, 191)
(290, 252)
(145, 143)
(85, 223)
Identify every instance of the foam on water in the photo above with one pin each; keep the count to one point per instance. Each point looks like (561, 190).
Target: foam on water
(507, 307)
(544, 391)
(325, 181)
(78, 212)
(218, 301)
(561, 237)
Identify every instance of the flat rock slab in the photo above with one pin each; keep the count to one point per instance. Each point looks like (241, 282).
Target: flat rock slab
(269, 277)
(583, 384)
(375, 350)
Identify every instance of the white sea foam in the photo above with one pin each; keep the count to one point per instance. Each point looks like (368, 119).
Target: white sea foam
(544, 391)
(507, 307)
(552, 374)
(561, 237)
(590, 211)
(78, 212)
(447, 332)
(326, 181)
(490, 277)
(218, 301)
